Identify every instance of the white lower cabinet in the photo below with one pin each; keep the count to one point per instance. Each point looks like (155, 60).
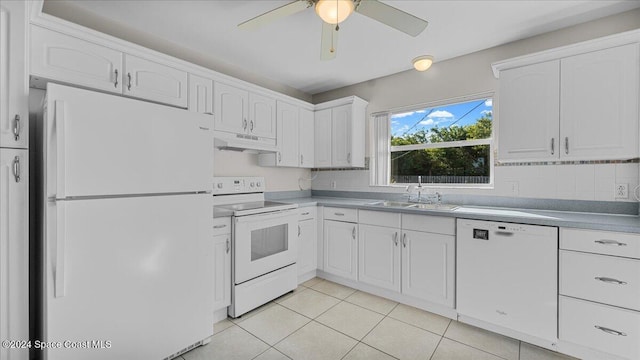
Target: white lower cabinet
(307, 238)
(379, 256)
(341, 248)
(14, 250)
(222, 263)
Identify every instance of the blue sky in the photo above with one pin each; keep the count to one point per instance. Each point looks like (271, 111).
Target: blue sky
(441, 116)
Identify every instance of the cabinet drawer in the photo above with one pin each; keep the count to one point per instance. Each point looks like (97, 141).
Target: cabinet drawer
(601, 242)
(601, 327)
(434, 224)
(307, 212)
(379, 218)
(341, 214)
(222, 226)
(606, 279)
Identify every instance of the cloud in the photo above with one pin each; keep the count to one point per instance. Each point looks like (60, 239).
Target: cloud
(404, 114)
(488, 103)
(486, 112)
(394, 122)
(400, 130)
(440, 114)
(427, 122)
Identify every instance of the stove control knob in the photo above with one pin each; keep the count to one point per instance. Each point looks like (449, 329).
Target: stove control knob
(252, 184)
(219, 185)
(259, 184)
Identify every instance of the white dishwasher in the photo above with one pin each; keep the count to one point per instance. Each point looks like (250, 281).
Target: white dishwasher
(507, 275)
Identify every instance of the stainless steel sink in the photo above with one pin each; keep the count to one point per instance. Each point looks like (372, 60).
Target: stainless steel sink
(392, 204)
(444, 207)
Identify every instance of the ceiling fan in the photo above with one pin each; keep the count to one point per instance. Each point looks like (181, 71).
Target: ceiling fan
(333, 12)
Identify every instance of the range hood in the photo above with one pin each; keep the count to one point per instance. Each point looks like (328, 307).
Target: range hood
(244, 143)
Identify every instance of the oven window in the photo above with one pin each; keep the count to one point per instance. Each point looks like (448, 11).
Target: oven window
(269, 241)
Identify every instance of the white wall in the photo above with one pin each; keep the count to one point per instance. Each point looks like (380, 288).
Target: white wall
(472, 74)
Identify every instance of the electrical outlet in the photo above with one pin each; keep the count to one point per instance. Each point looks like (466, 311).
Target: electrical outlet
(513, 188)
(622, 191)
(333, 184)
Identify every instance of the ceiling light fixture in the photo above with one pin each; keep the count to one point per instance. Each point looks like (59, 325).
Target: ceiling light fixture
(334, 11)
(422, 63)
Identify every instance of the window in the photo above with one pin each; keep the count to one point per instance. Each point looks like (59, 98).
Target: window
(448, 143)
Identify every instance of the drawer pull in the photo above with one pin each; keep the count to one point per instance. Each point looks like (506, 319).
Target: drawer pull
(610, 242)
(610, 331)
(338, 214)
(220, 226)
(305, 213)
(610, 280)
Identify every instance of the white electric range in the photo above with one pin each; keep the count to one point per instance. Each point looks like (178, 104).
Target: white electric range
(264, 242)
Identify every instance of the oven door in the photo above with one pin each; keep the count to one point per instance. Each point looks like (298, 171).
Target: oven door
(264, 243)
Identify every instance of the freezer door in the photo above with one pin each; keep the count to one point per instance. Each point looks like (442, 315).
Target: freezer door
(128, 278)
(99, 144)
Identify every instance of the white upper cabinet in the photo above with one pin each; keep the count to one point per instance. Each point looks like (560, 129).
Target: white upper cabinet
(322, 135)
(262, 116)
(342, 136)
(14, 91)
(576, 106)
(200, 94)
(231, 106)
(306, 139)
(67, 59)
(288, 117)
(529, 112)
(156, 82)
(599, 111)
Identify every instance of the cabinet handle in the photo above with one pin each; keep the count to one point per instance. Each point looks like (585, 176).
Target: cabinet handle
(16, 127)
(228, 245)
(279, 156)
(404, 240)
(353, 233)
(338, 214)
(566, 145)
(395, 238)
(16, 169)
(610, 331)
(349, 158)
(129, 77)
(553, 146)
(115, 84)
(251, 125)
(220, 226)
(609, 242)
(610, 280)
(301, 159)
(244, 124)
(298, 230)
(305, 213)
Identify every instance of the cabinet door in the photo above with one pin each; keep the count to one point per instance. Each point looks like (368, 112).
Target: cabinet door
(599, 96)
(14, 91)
(14, 250)
(307, 254)
(379, 256)
(200, 94)
(231, 106)
(341, 136)
(529, 110)
(428, 266)
(306, 139)
(149, 80)
(66, 59)
(287, 134)
(262, 116)
(222, 271)
(322, 138)
(340, 249)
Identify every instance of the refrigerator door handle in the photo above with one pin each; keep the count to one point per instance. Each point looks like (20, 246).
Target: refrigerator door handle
(60, 148)
(59, 278)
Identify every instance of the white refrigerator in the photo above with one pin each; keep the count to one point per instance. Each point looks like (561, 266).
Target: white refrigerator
(127, 250)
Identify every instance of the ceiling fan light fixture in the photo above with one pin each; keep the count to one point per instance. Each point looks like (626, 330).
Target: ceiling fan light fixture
(423, 63)
(334, 11)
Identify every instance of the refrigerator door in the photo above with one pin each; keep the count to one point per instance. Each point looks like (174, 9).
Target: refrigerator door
(128, 278)
(99, 144)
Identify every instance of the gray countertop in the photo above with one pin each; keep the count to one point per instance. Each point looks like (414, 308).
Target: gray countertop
(623, 223)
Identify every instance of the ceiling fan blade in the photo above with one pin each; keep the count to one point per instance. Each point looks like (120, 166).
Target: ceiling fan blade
(329, 43)
(391, 16)
(275, 14)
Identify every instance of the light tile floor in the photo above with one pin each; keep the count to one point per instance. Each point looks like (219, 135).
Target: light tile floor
(324, 320)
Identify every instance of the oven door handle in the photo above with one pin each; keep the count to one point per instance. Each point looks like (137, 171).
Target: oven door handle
(267, 216)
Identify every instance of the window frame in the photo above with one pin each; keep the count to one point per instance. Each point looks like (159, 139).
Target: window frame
(377, 134)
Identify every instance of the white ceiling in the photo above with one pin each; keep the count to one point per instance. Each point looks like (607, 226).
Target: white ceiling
(288, 51)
